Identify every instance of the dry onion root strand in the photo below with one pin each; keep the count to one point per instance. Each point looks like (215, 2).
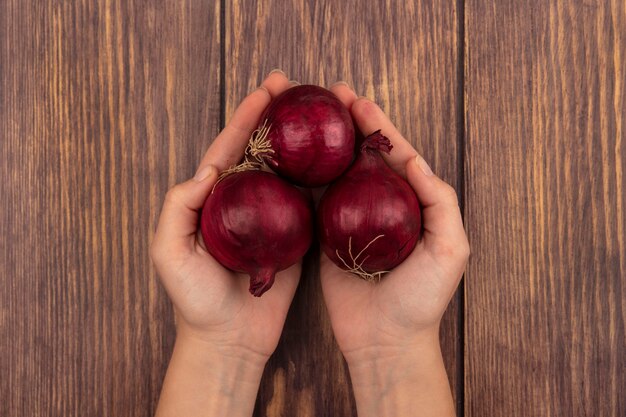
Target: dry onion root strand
(258, 145)
(246, 165)
(357, 268)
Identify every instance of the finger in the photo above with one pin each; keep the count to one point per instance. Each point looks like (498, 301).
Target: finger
(178, 221)
(228, 147)
(276, 82)
(344, 93)
(443, 225)
(370, 118)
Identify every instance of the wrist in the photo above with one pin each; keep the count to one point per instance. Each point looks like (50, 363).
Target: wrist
(203, 380)
(394, 361)
(220, 349)
(397, 380)
(393, 347)
(222, 364)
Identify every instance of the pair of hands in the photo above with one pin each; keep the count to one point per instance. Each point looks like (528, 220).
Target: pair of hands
(212, 303)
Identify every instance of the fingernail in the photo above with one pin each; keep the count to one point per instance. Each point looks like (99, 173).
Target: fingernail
(277, 70)
(341, 83)
(203, 173)
(294, 82)
(424, 166)
(261, 88)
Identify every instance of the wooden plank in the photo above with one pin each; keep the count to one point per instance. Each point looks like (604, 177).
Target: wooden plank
(103, 105)
(546, 111)
(403, 55)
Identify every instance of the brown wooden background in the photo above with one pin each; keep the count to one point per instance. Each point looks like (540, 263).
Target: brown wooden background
(520, 105)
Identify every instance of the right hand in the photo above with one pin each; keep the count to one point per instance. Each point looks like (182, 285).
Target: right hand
(405, 308)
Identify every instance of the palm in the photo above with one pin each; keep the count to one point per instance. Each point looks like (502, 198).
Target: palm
(215, 301)
(366, 315)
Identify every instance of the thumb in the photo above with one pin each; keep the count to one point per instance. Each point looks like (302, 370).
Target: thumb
(443, 225)
(178, 221)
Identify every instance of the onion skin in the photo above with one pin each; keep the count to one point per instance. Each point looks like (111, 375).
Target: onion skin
(311, 134)
(368, 201)
(256, 223)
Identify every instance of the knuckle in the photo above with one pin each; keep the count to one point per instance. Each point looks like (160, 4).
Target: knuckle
(445, 250)
(173, 195)
(364, 107)
(449, 194)
(453, 250)
(236, 128)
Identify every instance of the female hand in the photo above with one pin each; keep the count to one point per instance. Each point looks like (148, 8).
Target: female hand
(224, 334)
(388, 331)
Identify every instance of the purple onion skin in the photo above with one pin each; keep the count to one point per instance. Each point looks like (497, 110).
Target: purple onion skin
(369, 200)
(256, 223)
(312, 135)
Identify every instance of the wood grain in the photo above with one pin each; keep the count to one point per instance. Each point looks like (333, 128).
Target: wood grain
(404, 55)
(103, 105)
(545, 294)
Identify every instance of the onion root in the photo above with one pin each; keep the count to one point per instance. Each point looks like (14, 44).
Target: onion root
(357, 268)
(258, 145)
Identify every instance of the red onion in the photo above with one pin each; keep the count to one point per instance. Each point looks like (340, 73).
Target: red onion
(369, 220)
(255, 222)
(307, 136)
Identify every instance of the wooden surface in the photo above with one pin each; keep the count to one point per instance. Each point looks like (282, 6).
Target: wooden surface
(520, 105)
(103, 106)
(545, 208)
